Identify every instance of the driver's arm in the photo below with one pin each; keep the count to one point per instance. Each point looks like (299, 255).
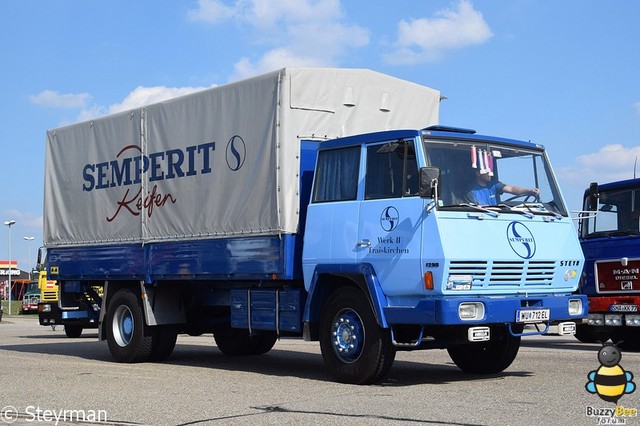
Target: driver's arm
(518, 190)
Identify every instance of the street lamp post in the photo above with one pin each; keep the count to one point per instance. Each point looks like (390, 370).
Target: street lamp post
(10, 223)
(29, 239)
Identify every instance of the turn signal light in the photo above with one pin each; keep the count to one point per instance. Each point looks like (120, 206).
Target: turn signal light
(428, 280)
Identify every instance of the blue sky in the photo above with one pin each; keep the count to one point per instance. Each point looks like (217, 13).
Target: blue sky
(560, 73)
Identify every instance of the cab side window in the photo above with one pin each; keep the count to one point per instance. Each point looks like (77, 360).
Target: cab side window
(336, 176)
(392, 171)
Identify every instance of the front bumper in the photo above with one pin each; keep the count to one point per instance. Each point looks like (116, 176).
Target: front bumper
(497, 310)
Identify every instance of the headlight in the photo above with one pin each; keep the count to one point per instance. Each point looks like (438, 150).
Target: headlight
(614, 320)
(468, 311)
(575, 306)
(632, 320)
(596, 319)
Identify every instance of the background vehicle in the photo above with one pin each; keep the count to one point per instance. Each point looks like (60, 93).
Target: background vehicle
(610, 239)
(30, 298)
(49, 312)
(282, 206)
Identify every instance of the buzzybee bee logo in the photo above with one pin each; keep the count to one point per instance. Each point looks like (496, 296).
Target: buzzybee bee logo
(610, 382)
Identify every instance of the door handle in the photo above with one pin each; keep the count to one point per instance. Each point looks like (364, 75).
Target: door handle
(364, 243)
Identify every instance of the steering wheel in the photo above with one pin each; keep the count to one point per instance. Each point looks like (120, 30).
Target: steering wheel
(525, 198)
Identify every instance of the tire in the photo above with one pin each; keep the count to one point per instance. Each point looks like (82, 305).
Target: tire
(486, 358)
(129, 339)
(626, 338)
(238, 342)
(72, 331)
(264, 343)
(164, 341)
(590, 334)
(354, 347)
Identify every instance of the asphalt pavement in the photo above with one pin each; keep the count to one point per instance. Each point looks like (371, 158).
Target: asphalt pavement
(47, 378)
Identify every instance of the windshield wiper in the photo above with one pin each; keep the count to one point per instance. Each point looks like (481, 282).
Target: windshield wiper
(515, 209)
(537, 208)
(481, 209)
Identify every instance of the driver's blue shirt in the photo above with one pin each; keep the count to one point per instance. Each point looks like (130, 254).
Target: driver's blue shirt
(486, 195)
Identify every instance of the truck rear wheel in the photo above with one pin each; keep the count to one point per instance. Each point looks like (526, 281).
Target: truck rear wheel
(164, 341)
(235, 342)
(72, 331)
(490, 357)
(264, 343)
(129, 339)
(354, 347)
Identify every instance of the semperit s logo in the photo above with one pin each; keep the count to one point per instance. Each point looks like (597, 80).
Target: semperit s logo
(389, 218)
(521, 240)
(236, 153)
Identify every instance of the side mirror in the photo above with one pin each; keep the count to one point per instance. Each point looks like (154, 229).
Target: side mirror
(593, 196)
(429, 178)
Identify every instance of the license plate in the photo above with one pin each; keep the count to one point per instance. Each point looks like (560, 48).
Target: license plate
(532, 315)
(624, 308)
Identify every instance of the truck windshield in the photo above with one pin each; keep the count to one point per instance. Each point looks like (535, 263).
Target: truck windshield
(479, 176)
(32, 288)
(618, 213)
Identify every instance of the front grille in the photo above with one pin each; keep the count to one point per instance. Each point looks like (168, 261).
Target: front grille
(49, 296)
(503, 274)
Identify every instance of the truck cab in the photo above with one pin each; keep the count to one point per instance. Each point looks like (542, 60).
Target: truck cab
(610, 239)
(392, 222)
(30, 298)
(48, 310)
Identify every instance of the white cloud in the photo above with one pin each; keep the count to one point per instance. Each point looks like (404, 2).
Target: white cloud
(142, 96)
(265, 13)
(27, 221)
(429, 39)
(611, 162)
(210, 11)
(273, 59)
(139, 97)
(51, 98)
(637, 108)
(89, 113)
(295, 32)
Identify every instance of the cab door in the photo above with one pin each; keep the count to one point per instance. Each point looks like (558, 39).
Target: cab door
(391, 217)
(332, 217)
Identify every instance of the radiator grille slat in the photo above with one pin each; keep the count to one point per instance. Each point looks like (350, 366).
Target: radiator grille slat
(504, 274)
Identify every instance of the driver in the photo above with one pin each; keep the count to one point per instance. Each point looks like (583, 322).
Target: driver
(485, 191)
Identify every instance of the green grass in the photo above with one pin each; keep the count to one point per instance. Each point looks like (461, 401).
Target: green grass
(15, 307)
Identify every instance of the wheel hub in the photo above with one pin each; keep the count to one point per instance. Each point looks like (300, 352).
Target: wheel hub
(348, 336)
(123, 326)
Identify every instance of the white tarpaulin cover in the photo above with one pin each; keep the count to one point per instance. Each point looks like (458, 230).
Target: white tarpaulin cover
(218, 163)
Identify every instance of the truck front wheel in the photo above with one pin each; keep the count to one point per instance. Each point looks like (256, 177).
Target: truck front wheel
(626, 338)
(590, 334)
(490, 357)
(129, 339)
(72, 330)
(354, 347)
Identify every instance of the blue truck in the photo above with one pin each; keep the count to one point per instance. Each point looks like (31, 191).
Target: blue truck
(610, 238)
(324, 204)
